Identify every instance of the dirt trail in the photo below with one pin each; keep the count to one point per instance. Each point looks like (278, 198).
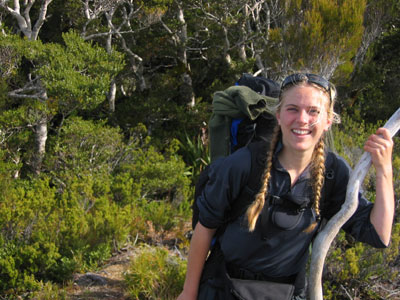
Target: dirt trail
(108, 283)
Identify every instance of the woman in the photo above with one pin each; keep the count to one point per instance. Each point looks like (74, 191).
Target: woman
(261, 244)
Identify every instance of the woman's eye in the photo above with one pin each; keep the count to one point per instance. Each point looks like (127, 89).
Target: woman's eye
(313, 112)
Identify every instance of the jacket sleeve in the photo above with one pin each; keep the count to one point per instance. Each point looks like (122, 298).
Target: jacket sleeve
(224, 186)
(359, 225)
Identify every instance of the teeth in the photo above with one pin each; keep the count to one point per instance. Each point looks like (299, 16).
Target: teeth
(297, 131)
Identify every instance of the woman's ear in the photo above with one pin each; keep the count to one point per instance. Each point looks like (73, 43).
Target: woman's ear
(278, 117)
(328, 124)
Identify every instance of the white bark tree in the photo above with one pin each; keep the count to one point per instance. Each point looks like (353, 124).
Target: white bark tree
(33, 89)
(179, 38)
(118, 29)
(21, 10)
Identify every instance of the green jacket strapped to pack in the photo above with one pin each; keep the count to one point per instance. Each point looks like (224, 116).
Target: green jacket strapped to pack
(234, 102)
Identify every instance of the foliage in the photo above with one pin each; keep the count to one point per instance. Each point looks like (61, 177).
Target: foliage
(49, 291)
(155, 274)
(356, 267)
(52, 80)
(84, 146)
(350, 136)
(196, 153)
(78, 73)
(28, 219)
(375, 88)
(153, 176)
(329, 33)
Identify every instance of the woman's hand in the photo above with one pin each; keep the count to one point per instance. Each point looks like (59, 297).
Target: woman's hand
(380, 146)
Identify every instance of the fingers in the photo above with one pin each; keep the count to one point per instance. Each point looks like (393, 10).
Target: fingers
(384, 133)
(380, 146)
(380, 140)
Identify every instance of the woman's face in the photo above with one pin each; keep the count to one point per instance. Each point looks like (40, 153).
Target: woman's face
(303, 117)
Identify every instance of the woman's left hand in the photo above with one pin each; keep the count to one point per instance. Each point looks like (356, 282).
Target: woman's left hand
(380, 146)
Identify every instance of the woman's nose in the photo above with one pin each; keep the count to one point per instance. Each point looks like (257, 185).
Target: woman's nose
(303, 116)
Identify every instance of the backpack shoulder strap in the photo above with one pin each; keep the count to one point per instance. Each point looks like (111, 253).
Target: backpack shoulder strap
(330, 173)
(258, 152)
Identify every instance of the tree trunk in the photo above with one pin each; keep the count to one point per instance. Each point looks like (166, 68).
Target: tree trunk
(40, 144)
(111, 95)
(324, 239)
(186, 89)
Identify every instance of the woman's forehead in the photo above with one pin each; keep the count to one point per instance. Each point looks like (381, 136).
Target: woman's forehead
(304, 95)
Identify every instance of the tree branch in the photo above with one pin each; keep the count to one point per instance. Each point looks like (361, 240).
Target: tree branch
(326, 236)
(31, 90)
(40, 21)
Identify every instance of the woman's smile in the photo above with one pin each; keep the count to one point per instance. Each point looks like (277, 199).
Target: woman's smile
(301, 131)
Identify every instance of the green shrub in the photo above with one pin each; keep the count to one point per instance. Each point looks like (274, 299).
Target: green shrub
(28, 222)
(195, 152)
(84, 146)
(48, 235)
(91, 224)
(49, 291)
(153, 175)
(155, 274)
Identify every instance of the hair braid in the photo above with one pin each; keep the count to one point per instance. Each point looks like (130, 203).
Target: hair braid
(318, 173)
(254, 210)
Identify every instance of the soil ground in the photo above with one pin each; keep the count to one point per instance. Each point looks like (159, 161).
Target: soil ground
(108, 283)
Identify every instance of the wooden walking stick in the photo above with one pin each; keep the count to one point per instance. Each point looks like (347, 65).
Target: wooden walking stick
(325, 237)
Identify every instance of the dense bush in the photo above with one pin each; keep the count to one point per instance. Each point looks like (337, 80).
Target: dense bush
(100, 192)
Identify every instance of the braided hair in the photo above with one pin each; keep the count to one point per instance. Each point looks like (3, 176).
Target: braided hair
(256, 207)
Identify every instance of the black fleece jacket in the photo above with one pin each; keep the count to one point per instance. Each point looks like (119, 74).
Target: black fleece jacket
(280, 249)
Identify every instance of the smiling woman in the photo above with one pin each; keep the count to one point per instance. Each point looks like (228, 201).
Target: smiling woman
(264, 251)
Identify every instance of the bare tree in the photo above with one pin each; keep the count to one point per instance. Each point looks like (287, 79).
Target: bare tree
(127, 12)
(219, 15)
(326, 236)
(179, 39)
(22, 15)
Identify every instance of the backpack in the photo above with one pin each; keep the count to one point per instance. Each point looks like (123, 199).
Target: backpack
(243, 131)
(259, 84)
(242, 114)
